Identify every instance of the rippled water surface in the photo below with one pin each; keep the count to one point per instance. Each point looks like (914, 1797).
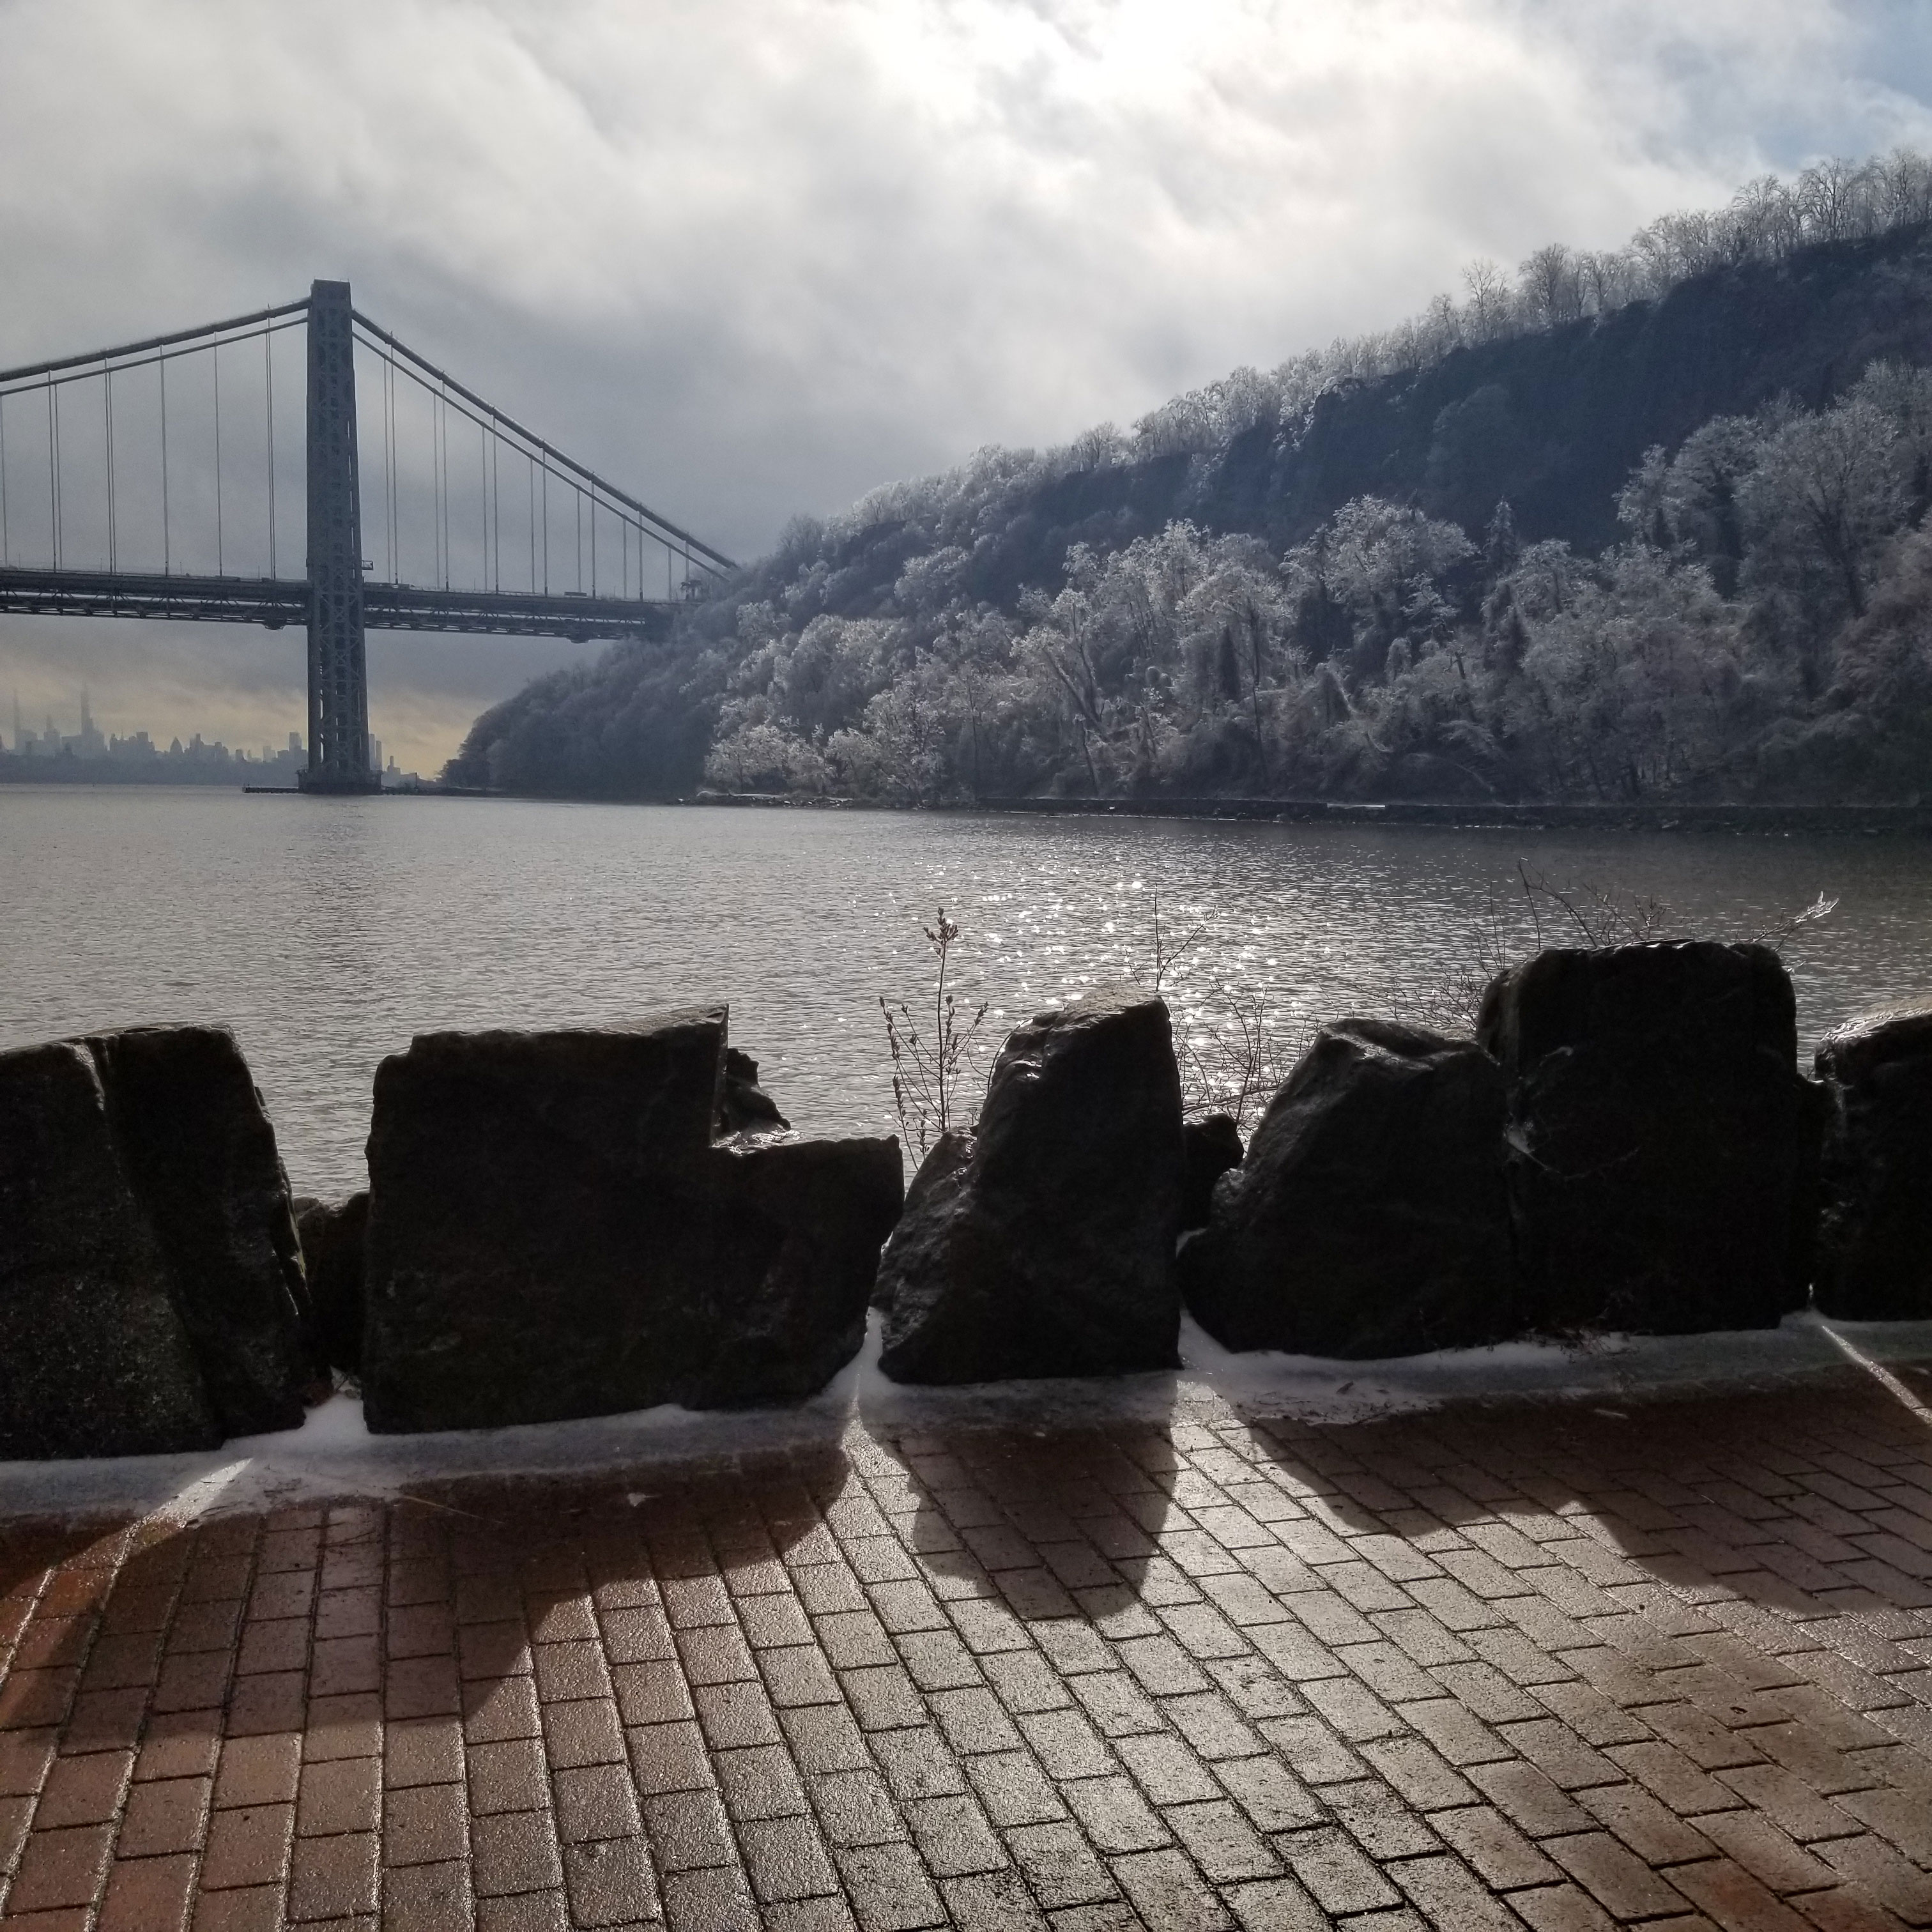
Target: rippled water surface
(327, 931)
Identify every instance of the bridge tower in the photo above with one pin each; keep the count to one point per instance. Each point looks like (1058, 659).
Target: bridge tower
(338, 677)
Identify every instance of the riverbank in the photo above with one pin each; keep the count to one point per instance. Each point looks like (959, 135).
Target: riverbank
(1910, 820)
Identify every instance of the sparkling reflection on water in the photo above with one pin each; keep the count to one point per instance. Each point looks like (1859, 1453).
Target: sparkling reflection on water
(327, 931)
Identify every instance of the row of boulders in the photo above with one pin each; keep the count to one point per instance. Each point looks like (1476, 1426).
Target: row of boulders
(1626, 1144)
(580, 1223)
(556, 1225)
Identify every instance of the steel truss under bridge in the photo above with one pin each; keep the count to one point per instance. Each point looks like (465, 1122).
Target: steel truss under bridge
(515, 538)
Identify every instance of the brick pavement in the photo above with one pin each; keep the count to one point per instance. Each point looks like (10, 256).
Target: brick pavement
(1554, 1666)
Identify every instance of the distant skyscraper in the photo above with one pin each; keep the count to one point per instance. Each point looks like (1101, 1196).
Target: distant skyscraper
(90, 744)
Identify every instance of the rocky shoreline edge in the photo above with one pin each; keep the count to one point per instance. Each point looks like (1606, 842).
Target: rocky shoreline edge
(596, 1222)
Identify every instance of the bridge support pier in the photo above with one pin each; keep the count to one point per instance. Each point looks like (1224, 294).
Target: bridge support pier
(338, 675)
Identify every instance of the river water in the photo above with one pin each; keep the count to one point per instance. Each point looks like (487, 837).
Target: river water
(325, 932)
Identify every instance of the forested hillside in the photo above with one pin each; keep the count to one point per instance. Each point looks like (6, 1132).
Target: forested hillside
(1645, 524)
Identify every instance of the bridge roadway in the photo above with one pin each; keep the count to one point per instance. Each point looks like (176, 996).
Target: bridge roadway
(274, 602)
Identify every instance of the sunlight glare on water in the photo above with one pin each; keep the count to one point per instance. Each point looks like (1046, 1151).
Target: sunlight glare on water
(327, 931)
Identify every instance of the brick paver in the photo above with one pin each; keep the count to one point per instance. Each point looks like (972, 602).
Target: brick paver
(1553, 1666)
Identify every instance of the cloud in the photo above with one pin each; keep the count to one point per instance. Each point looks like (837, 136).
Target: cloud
(753, 258)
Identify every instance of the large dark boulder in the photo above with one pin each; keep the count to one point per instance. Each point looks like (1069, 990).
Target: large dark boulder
(1875, 1230)
(332, 1233)
(1209, 1147)
(201, 1156)
(1662, 1147)
(553, 1232)
(1369, 1218)
(95, 1358)
(790, 1237)
(1043, 1244)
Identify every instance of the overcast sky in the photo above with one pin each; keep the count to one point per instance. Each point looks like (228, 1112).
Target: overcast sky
(750, 258)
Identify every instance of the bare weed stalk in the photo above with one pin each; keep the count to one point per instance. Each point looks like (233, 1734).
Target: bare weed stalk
(1594, 918)
(1780, 935)
(1234, 1051)
(1229, 1042)
(933, 1071)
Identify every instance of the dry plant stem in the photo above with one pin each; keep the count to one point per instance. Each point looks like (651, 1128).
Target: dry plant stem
(1228, 1047)
(1233, 1056)
(931, 1071)
(1598, 918)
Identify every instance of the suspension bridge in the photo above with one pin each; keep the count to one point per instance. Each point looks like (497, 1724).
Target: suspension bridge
(125, 491)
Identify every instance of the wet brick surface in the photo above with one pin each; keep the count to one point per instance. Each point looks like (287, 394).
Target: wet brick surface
(1552, 1667)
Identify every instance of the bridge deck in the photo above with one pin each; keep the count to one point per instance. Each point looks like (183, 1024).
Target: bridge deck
(277, 602)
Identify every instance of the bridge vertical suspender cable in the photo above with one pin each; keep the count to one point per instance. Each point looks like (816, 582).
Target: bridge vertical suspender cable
(268, 388)
(6, 540)
(389, 466)
(167, 547)
(435, 488)
(219, 571)
(54, 464)
(107, 426)
(442, 406)
(395, 514)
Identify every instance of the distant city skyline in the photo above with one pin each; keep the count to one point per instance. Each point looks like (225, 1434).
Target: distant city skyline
(90, 742)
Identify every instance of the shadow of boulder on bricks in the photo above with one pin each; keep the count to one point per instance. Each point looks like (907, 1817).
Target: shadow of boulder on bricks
(1369, 1218)
(1662, 1147)
(1875, 1230)
(1042, 1244)
(554, 1231)
(96, 1359)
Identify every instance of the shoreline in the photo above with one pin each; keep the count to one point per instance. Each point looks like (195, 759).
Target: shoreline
(1863, 820)
(1869, 819)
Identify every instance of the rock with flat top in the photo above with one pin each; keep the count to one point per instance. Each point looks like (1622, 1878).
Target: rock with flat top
(1662, 1147)
(1875, 1230)
(96, 1360)
(201, 1156)
(1043, 1243)
(1369, 1217)
(554, 1231)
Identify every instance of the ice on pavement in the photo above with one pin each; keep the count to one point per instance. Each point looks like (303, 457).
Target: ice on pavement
(334, 1455)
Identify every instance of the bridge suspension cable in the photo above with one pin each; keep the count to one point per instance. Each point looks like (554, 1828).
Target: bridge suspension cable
(596, 502)
(96, 506)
